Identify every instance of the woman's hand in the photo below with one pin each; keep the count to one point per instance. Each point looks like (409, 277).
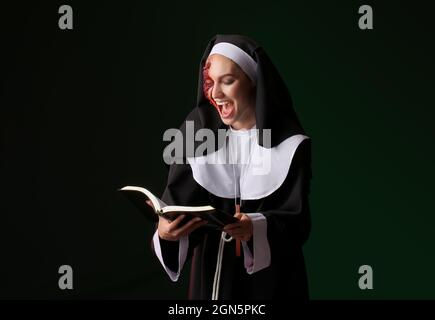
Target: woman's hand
(171, 231)
(241, 230)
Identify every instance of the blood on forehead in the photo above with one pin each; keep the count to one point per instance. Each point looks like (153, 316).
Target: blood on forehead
(208, 83)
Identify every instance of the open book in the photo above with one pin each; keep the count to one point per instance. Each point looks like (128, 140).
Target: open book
(138, 196)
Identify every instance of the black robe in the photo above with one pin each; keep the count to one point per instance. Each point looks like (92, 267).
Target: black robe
(286, 209)
(288, 226)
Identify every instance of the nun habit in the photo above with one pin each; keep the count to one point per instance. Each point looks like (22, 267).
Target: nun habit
(271, 264)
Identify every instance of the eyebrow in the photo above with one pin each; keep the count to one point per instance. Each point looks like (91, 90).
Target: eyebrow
(226, 74)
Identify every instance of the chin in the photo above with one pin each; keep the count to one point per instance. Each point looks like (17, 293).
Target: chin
(228, 122)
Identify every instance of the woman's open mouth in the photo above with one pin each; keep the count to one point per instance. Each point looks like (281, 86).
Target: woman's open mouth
(226, 109)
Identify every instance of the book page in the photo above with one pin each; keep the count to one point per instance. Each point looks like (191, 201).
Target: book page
(157, 203)
(187, 209)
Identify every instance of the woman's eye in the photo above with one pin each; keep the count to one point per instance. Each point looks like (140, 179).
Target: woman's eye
(228, 81)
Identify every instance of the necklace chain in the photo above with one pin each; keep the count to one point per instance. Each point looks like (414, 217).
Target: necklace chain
(241, 177)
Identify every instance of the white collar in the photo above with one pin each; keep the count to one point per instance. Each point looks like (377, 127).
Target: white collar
(243, 131)
(264, 174)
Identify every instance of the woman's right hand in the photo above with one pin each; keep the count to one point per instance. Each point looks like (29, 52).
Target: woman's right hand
(171, 231)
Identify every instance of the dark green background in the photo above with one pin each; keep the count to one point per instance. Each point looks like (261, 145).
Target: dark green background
(83, 113)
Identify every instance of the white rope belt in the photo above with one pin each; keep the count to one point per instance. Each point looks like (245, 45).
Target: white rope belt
(223, 239)
(217, 274)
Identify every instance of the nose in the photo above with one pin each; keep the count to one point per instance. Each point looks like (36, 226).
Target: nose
(216, 92)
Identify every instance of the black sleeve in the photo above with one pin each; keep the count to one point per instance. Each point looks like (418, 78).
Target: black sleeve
(169, 253)
(287, 210)
(182, 189)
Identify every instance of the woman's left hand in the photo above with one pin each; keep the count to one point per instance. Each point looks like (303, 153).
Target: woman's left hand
(241, 230)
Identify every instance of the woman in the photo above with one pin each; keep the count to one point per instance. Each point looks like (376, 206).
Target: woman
(260, 256)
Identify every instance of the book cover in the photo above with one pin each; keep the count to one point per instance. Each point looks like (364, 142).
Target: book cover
(138, 196)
